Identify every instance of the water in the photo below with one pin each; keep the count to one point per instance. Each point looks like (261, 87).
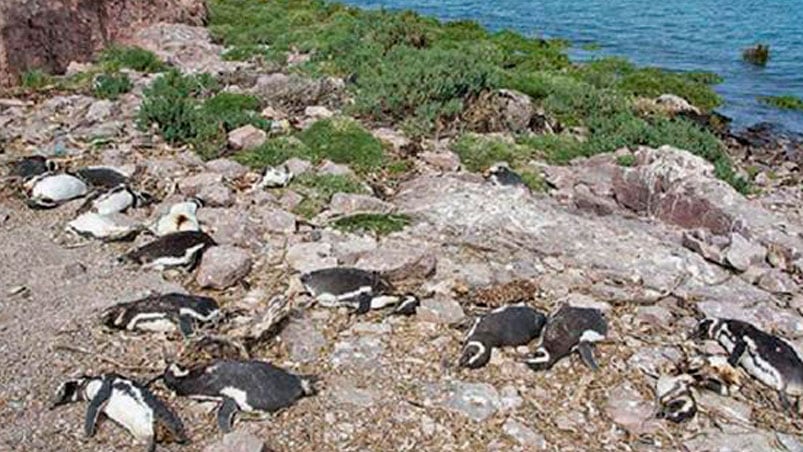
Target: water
(681, 34)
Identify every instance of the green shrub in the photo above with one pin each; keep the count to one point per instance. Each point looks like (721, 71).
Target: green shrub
(118, 57)
(379, 224)
(274, 152)
(534, 181)
(557, 149)
(343, 141)
(626, 160)
(111, 85)
(35, 79)
(478, 152)
(233, 110)
(787, 102)
(319, 189)
(172, 103)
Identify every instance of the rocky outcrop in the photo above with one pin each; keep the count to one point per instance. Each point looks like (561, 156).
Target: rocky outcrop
(51, 34)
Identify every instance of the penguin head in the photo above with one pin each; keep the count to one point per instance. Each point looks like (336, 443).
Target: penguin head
(70, 391)
(476, 353)
(706, 329)
(174, 372)
(540, 360)
(142, 199)
(51, 165)
(408, 305)
(678, 410)
(113, 317)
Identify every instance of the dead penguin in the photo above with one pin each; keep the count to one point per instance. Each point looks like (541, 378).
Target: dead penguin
(127, 403)
(675, 397)
(508, 326)
(103, 177)
(501, 174)
(29, 167)
(162, 313)
(275, 177)
(180, 217)
(254, 387)
(569, 329)
(768, 358)
(179, 249)
(358, 289)
(51, 190)
(119, 199)
(111, 227)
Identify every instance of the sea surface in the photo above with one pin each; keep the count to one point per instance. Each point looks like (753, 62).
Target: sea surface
(679, 34)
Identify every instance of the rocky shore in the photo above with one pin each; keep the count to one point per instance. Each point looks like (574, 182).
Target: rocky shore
(652, 236)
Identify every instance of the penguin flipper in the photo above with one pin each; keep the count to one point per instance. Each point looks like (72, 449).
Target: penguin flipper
(185, 325)
(225, 414)
(736, 354)
(586, 351)
(364, 303)
(96, 406)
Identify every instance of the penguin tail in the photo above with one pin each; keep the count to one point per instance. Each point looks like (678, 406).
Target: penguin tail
(310, 384)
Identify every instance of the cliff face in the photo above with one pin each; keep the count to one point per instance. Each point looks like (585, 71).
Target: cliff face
(50, 34)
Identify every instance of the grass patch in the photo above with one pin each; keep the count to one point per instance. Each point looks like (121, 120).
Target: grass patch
(478, 152)
(534, 181)
(118, 57)
(318, 190)
(35, 79)
(111, 85)
(379, 224)
(787, 102)
(626, 160)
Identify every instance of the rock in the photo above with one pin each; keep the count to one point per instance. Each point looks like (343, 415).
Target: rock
(290, 200)
(99, 111)
(656, 316)
(742, 254)
(209, 187)
(343, 392)
(334, 169)
(364, 353)
(349, 204)
(190, 49)
(222, 267)
(477, 401)
(500, 111)
(777, 282)
(727, 407)
(630, 410)
(294, 90)
(510, 398)
(676, 104)
(443, 161)
(75, 68)
(297, 166)
(392, 137)
(524, 435)
(307, 257)
(440, 310)
(731, 439)
(238, 441)
(276, 220)
(654, 360)
(318, 112)
(227, 168)
(247, 137)
(272, 113)
(705, 244)
(400, 260)
(28, 41)
(303, 340)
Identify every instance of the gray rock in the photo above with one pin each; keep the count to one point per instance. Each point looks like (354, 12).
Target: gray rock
(443, 161)
(190, 49)
(778, 282)
(732, 440)
(628, 408)
(222, 267)
(298, 166)
(280, 89)
(440, 310)
(344, 392)
(307, 257)
(209, 187)
(290, 200)
(276, 220)
(510, 398)
(705, 244)
(400, 260)
(349, 204)
(656, 316)
(503, 110)
(304, 342)
(247, 137)
(727, 407)
(227, 168)
(334, 169)
(676, 104)
(524, 435)
(318, 112)
(654, 360)
(99, 111)
(393, 137)
(363, 353)
(237, 441)
(742, 253)
(477, 401)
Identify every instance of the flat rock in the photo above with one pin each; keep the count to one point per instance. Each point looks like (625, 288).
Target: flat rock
(247, 137)
(741, 439)
(209, 187)
(440, 310)
(362, 353)
(727, 407)
(298, 166)
(223, 266)
(303, 340)
(393, 137)
(227, 168)
(653, 360)
(400, 260)
(442, 161)
(656, 316)
(238, 441)
(524, 435)
(328, 167)
(628, 408)
(276, 220)
(476, 401)
(307, 257)
(318, 112)
(742, 253)
(345, 392)
(778, 282)
(99, 111)
(349, 204)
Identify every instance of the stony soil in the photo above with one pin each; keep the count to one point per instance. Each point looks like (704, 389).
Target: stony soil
(606, 236)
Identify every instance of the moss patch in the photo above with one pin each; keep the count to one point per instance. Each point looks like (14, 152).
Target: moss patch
(380, 224)
(318, 190)
(111, 85)
(787, 102)
(138, 59)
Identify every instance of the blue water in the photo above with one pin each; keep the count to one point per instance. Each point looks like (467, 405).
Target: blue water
(678, 34)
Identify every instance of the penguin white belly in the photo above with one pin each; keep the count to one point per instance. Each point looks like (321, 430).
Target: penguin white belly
(61, 187)
(131, 413)
(155, 322)
(762, 371)
(113, 203)
(239, 396)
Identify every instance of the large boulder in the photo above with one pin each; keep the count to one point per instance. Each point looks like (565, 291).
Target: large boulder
(51, 34)
(501, 111)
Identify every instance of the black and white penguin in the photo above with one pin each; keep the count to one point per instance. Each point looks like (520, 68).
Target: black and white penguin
(275, 177)
(713, 373)
(118, 199)
(109, 227)
(569, 329)
(358, 289)
(253, 387)
(126, 402)
(162, 313)
(180, 217)
(501, 174)
(51, 190)
(675, 397)
(179, 249)
(768, 358)
(31, 166)
(508, 326)
(102, 177)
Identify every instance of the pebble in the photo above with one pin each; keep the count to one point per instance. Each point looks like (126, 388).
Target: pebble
(331, 168)
(349, 204)
(628, 408)
(227, 168)
(443, 161)
(298, 166)
(363, 353)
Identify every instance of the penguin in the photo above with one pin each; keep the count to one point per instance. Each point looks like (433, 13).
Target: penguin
(569, 329)
(127, 403)
(51, 190)
(109, 228)
(500, 174)
(162, 313)
(358, 289)
(508, 326)
(205, 349)
(765, 357)
(277, 177)
(714, 374)
(675, 397)
(102, 177)
(118, 199)
(179, 249)
(30, 167)
(180, 217)
(254, 387)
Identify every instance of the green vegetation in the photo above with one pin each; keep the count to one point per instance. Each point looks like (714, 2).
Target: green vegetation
(340, 140)
(787, 102)
(118, 57)
(478, 152)
(379, 224)
(534, 181)
(317, 191)
(35, 79)
(626, 160)
(758, 55)
(111, 85)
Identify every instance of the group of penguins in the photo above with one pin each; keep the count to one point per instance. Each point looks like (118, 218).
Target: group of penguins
(257, 388)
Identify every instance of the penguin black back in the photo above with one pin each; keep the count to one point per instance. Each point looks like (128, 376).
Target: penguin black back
(343, 280)
(569, 329)
(506, 326)
(178, 248)
(102, 177)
